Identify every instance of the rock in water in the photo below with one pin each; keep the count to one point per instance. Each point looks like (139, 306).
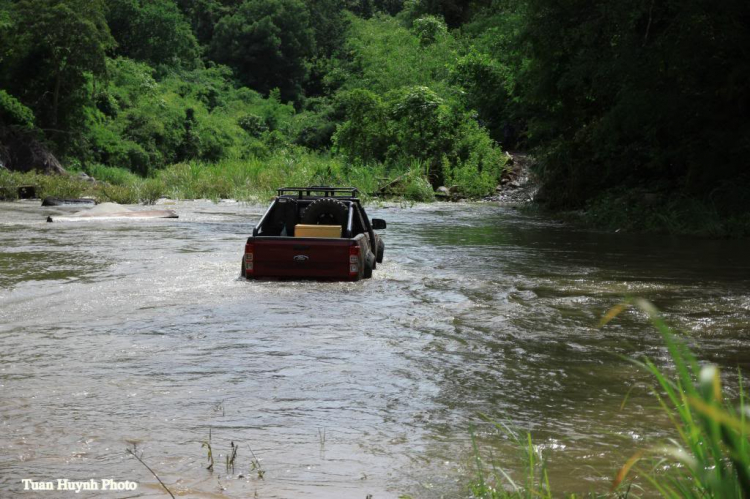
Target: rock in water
(112, 211)
(67, 202)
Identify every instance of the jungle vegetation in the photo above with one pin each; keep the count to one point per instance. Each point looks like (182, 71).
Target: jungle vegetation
(635, 110)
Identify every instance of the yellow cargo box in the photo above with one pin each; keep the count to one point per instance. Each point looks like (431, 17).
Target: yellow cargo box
(301, 230)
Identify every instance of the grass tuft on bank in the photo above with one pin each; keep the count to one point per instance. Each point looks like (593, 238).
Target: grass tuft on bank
(708, 458)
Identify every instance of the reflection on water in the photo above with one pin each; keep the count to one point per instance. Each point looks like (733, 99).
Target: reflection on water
(123, 332)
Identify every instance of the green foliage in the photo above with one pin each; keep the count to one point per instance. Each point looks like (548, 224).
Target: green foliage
(364, 135)
(266, 43)
(121, 194)
(204, 14)
(711, 457)
(151, 189)
(153, 31)
(248, 179)
(487, 87)
(330, 23)
(13, 113)
(253, 124)
(9, 183)
(142, 124)
(390, 7)
(315, 125)
(415, 124)
(383, 55)
(429, 29)
(416, 187)
(56, 46)
(111, 175)
(638, 210)
(399, 107)
(6, 23)
(498, 483)
(637, 94)
(455, 12)
(242, 179)
(377, 90)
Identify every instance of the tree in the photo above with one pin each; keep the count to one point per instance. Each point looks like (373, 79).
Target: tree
(267, 42)
(154, 31)
(6, 24)
(362, 8)
(364, 136)
(329, 25)
(56, 45)
(429, 29)
(455, 12)
(204, 14)
(390, 7)
(649, 94)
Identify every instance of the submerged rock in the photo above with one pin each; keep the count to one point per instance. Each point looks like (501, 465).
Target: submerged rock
(112, 211)
(50, 201)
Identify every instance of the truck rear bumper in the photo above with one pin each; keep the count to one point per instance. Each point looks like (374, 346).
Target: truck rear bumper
(302, 278)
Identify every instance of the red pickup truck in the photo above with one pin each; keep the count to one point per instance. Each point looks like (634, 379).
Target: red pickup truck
(314, 233)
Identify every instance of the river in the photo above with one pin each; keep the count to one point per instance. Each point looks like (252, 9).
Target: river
(127, 333)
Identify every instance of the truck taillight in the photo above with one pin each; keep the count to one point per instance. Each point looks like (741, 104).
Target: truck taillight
(249, 257)
(353, 261)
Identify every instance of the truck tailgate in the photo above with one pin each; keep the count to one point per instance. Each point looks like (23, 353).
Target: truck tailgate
(301, 257)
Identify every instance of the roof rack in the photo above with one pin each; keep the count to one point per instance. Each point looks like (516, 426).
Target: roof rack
(349, 192)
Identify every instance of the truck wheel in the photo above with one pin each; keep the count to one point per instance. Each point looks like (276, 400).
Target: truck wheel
(325, 211)
(381, 250)
(242, 271)
(369, 263)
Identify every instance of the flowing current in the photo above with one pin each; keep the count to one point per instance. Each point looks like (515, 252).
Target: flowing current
(140, 334)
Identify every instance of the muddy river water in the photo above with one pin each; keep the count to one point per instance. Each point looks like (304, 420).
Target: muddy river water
(141, 333)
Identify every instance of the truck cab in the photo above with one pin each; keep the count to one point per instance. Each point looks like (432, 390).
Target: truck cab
(317, 232)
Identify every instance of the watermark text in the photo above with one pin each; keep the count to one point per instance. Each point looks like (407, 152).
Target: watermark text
(76, 486)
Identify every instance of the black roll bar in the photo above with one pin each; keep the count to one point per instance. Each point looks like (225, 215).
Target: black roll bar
(350, 222)
(263, 218)
(327, 191)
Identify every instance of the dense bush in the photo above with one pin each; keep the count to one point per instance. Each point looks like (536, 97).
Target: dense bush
(143, 124)
(414, 124)
(429, 29)
(13, 113)
(400, 106)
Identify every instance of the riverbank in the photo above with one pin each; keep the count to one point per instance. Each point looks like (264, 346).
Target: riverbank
(642, 212)
(243, 180)
(725, 214)
(617, 210)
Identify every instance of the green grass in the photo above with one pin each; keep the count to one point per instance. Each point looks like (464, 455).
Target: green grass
(709, 457)
(242, 179)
